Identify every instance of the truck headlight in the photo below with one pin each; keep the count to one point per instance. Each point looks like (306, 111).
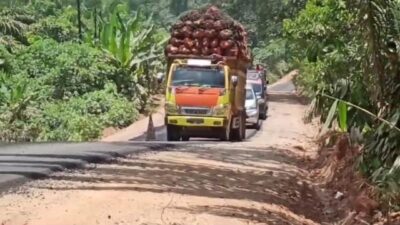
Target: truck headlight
(171, 108)
(220, 110)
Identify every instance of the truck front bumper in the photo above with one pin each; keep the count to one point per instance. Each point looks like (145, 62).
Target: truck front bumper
(191, 121)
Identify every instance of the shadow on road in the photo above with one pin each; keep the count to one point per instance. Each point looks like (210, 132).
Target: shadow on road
(22, 162)
(249, 214)
(161, 135)
(255, 175)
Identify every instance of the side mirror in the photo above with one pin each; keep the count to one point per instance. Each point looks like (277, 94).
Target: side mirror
(267, 81)
(234, 80)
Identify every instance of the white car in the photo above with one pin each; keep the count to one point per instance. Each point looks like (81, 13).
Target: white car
(252, 108)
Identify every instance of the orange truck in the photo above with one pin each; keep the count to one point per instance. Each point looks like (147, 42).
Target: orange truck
(207, 57)
(205, 97)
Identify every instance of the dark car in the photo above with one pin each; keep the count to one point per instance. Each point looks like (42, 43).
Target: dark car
(257, 80)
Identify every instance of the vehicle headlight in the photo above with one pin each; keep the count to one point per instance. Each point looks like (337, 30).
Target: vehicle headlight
(171, 108)
(220, 110)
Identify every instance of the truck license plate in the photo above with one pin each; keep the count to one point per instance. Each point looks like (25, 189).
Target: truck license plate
(195, 121)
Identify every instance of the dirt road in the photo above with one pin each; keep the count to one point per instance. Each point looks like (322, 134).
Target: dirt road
(255, 182)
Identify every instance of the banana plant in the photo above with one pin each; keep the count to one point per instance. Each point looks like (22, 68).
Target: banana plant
(14, 28)
(94, 11)
(15, 98)
(131, 41)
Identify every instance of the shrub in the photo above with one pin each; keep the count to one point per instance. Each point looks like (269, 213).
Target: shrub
(65, 92)
(57, 27)
(84, 118)
(18, 107)
(68, 69)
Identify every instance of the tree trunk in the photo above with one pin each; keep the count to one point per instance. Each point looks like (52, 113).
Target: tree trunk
(95, 23)
(78, 4)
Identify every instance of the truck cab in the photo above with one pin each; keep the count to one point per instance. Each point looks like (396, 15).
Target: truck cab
(204, 99)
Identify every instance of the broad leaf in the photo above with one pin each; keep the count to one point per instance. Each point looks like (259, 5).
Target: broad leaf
(330, 117)
(342, 114)
(396, 165)
(137, 61)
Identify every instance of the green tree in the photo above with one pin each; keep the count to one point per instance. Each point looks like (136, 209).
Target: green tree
(348, 50)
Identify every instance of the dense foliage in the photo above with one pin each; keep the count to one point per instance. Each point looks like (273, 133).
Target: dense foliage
(348, 53)
(57, 85)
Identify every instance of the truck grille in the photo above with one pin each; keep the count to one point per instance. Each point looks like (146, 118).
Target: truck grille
(195, 111)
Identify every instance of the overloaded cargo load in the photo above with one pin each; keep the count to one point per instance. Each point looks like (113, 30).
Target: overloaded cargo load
(208, 32)
(207, 58)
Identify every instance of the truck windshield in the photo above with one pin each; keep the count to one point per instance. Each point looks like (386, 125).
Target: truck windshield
(199, 77)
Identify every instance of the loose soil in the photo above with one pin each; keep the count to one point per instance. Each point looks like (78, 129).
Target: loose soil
(261, 181)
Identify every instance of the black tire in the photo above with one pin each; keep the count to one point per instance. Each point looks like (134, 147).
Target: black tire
(243, 126)
(257, 125)
(237, 134)
(225, 134)
(173, 133)
(185, 138)
(263, 115)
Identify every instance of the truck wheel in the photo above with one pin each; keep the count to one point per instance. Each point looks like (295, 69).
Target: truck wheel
(243, 126)
(263, 115)
(185, 138)
(264, 112)
(173, 133)
(257, 125)
(225, 133)
(237, 134)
